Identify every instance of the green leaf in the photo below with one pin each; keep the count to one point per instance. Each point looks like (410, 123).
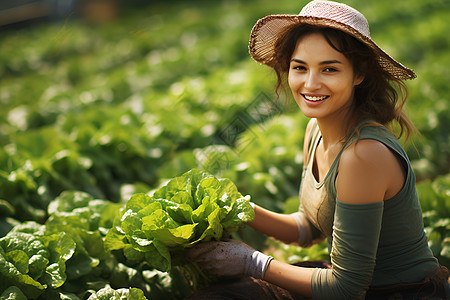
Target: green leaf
(38, 263)
(114, 240)
(136, 294)
(201, 213)
(131, 226)
(132, 254)
(29, 227)
(183, 197)
(32, 246)
(160, 226)
(67, 201)
(159, 257)
(12, 293)
(158, 219)
(61, 248)
(172, 237)
(11, 276)
(149, 209)
(208, 188)
(194, 178)
(180, 213)
(20, 260)
(80, 265)
(106, 212)
(174, 186)
(214, 228)
(242, 212)
(108, 293)
(26, 242)
(139, 201)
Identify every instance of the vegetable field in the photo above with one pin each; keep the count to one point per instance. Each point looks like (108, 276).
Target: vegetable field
(95, 115)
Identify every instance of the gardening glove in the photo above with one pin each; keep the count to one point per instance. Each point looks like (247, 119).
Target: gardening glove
(230, 258)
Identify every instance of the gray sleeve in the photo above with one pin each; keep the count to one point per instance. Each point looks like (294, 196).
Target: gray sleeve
(356, 232)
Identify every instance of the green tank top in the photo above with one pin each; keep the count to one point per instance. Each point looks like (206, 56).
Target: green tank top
(374, 244)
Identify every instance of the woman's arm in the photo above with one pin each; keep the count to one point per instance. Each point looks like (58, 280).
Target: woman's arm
(368, 174)
(290, 277)
(285, 228)
(355, 241)
(282, 227)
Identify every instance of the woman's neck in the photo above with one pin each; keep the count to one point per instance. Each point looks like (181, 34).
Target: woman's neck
(334, 131)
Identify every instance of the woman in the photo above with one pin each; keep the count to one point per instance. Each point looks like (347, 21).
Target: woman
(358, 188)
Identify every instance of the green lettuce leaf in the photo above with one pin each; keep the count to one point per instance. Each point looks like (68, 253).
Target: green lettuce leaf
(16, 275)
(61, 248)
(12, 293)
(109, 293)
(190, 208)
(159, 257)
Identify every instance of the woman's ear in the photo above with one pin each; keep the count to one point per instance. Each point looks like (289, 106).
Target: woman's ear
(360, 73)
(358, 79)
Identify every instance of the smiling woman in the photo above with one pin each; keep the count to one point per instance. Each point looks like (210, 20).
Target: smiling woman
(321, 79)
(358, 188)
(372, 83)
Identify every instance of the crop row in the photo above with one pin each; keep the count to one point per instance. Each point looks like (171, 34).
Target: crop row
(113, 110)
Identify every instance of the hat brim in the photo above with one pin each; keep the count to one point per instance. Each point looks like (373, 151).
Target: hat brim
(267, 30)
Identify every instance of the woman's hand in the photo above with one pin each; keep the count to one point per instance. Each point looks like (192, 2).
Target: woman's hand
(230, 258)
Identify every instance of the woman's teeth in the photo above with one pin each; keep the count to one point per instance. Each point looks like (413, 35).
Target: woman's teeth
(310, 98)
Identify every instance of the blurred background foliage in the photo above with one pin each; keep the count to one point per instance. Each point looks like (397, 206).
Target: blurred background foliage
(118, 100)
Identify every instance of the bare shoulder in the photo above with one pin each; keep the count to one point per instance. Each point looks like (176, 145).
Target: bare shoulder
(368, 172)
(367, 151)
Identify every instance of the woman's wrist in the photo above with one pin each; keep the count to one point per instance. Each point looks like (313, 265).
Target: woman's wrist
(258, 266)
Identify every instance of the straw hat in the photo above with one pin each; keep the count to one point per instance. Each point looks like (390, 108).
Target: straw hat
(323, 13)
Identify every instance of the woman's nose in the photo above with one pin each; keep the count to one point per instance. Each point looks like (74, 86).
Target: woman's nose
(312, 80)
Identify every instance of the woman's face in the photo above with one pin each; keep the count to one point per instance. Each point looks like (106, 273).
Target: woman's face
(321, 79)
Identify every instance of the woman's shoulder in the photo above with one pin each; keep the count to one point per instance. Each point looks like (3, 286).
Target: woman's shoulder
(371, 130)
(366, 150)
(376, 131)
(368, 172)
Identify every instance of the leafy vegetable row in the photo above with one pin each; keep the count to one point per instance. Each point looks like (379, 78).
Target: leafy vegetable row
(119, 109)
(75, 252)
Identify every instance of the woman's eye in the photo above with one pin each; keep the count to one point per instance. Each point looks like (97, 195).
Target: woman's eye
(330, 70)
(299, 68)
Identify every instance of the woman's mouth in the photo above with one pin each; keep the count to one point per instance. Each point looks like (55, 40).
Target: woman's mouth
(314, 99)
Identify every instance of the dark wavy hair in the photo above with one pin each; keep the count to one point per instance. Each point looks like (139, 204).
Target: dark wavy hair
(379, 98)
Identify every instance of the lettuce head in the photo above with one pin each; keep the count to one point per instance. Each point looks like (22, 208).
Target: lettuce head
(191, 208)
